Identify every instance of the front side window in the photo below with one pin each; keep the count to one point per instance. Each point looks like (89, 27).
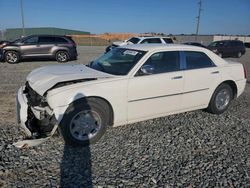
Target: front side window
(31, 40)
(162, 62)
(197, 60)
(153, 40)
(118, 61)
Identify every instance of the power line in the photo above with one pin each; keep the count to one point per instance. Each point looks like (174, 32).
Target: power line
(198, 18)
(21, 7)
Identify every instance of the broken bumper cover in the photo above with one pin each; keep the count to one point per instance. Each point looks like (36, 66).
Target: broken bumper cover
(22, 110)
(22, 119)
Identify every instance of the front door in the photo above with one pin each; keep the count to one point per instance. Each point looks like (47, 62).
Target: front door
(156, 88)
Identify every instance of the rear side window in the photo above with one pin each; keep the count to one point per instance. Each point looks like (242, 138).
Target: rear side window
(197, 60)
(168, 40)
(46, 39)
(153, 40)
(60, 40)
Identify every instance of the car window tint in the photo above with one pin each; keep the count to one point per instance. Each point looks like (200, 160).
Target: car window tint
(134, 40)
(163, 62)
(60, 40)
(31, 40)
(153, 40)
(168, 40)
(196, 60)
(46, 39)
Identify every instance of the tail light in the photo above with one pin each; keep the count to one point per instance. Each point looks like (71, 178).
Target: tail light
(245, 71)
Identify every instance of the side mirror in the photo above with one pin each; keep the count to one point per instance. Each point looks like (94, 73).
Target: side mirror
(147, 69)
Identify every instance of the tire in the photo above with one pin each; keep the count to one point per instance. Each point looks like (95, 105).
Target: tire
(220, 54)
(221, 99)
(84, 122)
(239, 54)
(12, 57)
(62, 56)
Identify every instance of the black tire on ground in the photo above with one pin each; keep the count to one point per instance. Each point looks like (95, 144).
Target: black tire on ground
(62, 56)
(12, 57)
(94, 108)
(220, 54)
(239, 54)
(217, 105)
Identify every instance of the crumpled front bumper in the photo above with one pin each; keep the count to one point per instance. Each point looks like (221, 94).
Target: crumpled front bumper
(22, 110)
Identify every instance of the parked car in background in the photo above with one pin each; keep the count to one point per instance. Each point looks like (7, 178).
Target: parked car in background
(126, 85)
(141, 40)
(228, 48)
(195, 44)
(61, 48)
(3, 43)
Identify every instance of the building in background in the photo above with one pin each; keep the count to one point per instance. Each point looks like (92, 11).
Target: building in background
(14, 33)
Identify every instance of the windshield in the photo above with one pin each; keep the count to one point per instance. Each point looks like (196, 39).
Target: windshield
(118, 61)
(217, 43)
(19, 40)
(134, 40)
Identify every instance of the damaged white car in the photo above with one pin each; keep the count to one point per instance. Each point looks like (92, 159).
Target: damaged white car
(126, 85)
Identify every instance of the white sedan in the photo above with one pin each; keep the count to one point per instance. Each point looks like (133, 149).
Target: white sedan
(126, 85)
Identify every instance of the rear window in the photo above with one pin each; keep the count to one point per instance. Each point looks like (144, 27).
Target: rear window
(197, 60)
(153, 40)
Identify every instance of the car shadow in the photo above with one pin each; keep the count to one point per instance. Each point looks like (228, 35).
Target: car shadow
(75, 167)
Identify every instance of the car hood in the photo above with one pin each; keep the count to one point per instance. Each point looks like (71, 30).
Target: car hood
(44, 78)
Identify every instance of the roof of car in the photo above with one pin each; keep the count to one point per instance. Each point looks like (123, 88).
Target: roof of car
(145, 37)
(151, 47)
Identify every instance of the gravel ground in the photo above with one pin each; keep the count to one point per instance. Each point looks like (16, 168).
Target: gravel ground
(193, 149)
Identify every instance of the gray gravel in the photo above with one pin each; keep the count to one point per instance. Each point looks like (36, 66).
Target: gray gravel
(194, 149)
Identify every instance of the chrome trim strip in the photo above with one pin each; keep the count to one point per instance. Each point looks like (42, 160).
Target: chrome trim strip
(168, 95)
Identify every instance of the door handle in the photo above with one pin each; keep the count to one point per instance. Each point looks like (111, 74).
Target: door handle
(215, 72)
(176, 77)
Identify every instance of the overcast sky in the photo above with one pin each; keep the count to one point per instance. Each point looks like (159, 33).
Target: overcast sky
(137, 16)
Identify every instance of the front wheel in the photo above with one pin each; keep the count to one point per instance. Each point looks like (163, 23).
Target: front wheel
(239, 54)
(62, 56)
(84, 122)
(12, 57)
(221, 99)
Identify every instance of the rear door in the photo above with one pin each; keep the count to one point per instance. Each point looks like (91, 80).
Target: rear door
(45, 44)
(201, 76)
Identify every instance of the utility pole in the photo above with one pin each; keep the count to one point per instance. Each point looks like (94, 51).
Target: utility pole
(21, 6)
(198, 19)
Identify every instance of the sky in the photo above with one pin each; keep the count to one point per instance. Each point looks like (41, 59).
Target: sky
(133, 16)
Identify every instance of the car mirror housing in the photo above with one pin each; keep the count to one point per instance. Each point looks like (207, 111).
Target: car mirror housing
(147, 69)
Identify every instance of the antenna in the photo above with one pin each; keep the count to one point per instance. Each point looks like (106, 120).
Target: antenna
(198, 19)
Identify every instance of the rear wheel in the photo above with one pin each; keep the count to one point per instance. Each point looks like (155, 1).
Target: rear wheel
(62, 56)
(12, 57)
(85, 122)
(221, 99)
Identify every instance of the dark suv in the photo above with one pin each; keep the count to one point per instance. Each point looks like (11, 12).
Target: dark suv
(228, 48)
(61, 48)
